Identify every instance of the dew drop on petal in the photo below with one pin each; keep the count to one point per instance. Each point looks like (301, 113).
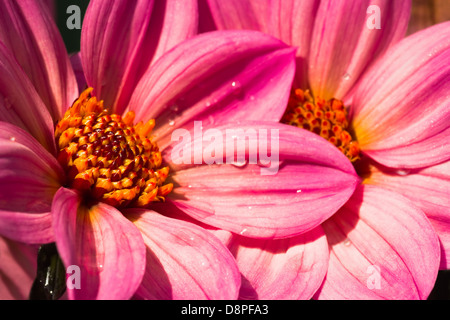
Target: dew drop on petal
(243, 231)
(237, 89)
(239, 163)
(346, 76)
(12, 139)
(174, 108)
(7, 102)
(403, 172)
(347, 242)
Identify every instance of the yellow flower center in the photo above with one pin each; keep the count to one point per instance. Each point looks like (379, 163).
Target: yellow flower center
(325, 118)
(109, 159)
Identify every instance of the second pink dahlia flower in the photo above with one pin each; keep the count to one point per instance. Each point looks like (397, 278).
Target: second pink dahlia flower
(384, 103)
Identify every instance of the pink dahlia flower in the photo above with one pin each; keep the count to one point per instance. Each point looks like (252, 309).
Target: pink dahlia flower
(383, 101)
(85, 170)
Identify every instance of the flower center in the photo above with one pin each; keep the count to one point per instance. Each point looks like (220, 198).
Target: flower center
(109, 159)
(325, 118)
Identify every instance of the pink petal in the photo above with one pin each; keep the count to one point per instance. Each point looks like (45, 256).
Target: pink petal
(429, 189)
(20, 104)
(286, 269)
(75, 60)
(106, 247)
(343, 45)
(216, 77)
(120, 40)
(401, 115)
(29, 31)
(308, 182)
(29, 177)
(382, 247)
(174, 27)
(17, 270)
(184, 261)
(290, 268)
(205, 20)
(240, 15)
(291, 21)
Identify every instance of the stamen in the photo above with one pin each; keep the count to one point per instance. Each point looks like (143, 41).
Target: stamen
(325, 118)
(109, 159)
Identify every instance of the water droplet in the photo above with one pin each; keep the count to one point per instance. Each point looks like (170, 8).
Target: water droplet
(249, 208)
(239, 163)
(7, 103)
(189, 186)
(100, 267)
(171, 122)
(347, 242)
(243, 231)
(12, 139)
(298, 191)
(346, 76)
(237, 89)
(403, 172)
(174, 108)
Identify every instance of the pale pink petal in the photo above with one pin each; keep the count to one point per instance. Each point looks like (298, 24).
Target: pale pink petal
(17, 269)
(121, 39)
(401, 115)
(429, 189)
(107, 248)
(291, 21)
(29, 177)
(282, 269)
(216, 77)
(29, 31)
(382, 247)
(305, 182)
(184, 261)
(285, 269)
(344, 42)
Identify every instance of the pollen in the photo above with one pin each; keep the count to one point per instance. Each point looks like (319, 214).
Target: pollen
(325, 118)
(109, 159)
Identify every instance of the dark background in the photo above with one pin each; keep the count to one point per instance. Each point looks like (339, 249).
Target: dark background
(424, 13)
(71, 37)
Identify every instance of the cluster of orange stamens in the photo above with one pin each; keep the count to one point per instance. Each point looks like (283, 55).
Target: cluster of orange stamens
(325, 118)
(109, 159)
